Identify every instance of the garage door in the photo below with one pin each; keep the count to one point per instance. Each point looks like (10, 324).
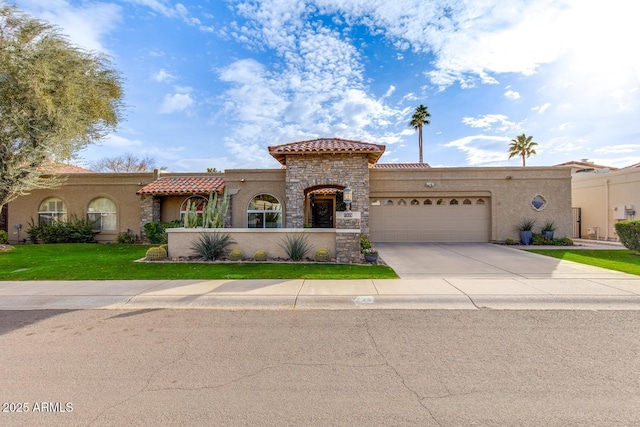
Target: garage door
(441, 219)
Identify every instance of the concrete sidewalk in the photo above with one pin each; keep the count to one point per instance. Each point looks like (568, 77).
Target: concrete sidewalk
(615, 291)
(433, 276)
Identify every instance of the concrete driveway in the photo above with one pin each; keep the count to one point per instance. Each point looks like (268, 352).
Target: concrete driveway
(480, 260)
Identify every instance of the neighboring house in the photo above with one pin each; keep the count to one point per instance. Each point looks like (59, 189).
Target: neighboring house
(397, 202)
(605, 196)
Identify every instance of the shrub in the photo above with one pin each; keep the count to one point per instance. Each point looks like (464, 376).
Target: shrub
(540, 239)
(365, 243)
(156, 253)
(260, 255)
(296, 246)
(629, 234)
(126, 238)
(73, 230)
(564, 241)
(236, 255)
(509, 241)
(211, 246)
(322, 255)
(4, 237)
(526, 224)
(156, 233)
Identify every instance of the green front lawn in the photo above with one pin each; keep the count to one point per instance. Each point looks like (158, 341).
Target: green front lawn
(116, 262)
(619, 260)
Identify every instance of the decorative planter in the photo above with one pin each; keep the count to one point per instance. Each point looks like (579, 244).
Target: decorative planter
(371, 257)
(548, 234)
(526, 237)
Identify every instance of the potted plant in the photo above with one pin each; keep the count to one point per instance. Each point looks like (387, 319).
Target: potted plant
(548, 229)
(525, 227)
(370, 254)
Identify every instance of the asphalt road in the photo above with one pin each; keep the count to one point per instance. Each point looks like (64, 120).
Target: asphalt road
(304, 368)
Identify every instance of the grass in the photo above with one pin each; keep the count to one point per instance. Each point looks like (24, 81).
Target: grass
(116, 262)
(618, 260)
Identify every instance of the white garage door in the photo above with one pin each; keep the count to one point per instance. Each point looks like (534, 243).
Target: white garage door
(441, 219)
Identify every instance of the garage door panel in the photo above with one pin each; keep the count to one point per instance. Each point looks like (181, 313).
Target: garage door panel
(431, 223)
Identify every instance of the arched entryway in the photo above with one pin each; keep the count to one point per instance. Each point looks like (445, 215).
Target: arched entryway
(321, 204)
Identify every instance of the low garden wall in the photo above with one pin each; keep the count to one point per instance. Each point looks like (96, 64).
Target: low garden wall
(250, 240)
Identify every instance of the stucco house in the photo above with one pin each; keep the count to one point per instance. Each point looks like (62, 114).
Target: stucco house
(605, 196)
(392, 202)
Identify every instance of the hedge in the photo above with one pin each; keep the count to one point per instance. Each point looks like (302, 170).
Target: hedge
(629, 234)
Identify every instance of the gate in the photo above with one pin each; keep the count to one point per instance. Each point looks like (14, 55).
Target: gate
(576, 228)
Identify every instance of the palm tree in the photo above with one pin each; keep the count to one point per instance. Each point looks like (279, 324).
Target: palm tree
(522, 146)
(420, 117)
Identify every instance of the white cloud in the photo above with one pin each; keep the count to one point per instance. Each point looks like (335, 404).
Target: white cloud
(482, 149)
(488, 121)
(162, 76)
(542, 108)
(86, 24)
(117, 141)
(175, 103)
(510, 94)
(178, 11)
(619, 149)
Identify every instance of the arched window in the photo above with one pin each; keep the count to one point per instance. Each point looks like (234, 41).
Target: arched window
(198, 201)
(51, 210)
(264, 211)
(480, 202)
(441, 202)
(428, 202)
(453, 202)
(466, 202)
(415, 202)
(401, 202)
(389, 203)
(102, 214)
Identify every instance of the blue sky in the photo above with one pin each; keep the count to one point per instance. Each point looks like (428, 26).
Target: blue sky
(213, 83)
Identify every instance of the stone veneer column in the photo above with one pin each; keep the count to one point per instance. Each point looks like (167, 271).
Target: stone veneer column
(348, 237)
(311, 170)
(149, 211)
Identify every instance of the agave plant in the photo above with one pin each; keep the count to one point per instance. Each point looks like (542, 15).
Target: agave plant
(296, 246)
(212, 246)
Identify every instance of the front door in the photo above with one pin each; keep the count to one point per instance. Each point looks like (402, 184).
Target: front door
(323, 213)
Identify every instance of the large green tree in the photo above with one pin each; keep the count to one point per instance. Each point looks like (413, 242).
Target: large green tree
(55, 99)
(418, 120)
(522, 146)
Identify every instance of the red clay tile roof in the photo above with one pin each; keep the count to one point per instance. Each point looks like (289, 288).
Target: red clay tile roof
(183, 186)
(576, 163)
(62, 168)
(637, 165)
(401, 166)
(326, 145)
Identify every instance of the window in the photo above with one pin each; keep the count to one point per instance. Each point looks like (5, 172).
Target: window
(453, 202)
(441, 202)
(466, 202)
(480, 202)
(414, 202)
(375, 202)
(102, 214)
(538, 202)
(389, 203)
(51, 210)
(198, 201)
(264, 211)
(428, 202)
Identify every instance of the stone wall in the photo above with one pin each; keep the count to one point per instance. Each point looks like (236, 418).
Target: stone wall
(149, 211)
(306, 171)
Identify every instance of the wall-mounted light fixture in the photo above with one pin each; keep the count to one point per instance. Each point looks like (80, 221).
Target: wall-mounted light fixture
(242, 179)
(347, 197)
(431, 184)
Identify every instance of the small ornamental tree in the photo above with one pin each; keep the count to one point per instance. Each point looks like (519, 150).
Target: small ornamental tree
(55, 99)
(629, 234)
